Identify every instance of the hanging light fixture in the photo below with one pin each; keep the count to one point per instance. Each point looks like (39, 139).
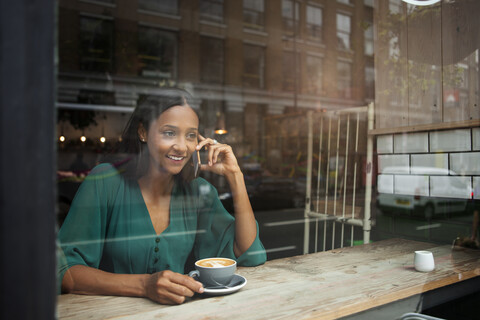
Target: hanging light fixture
(220, 127)
(61, 138)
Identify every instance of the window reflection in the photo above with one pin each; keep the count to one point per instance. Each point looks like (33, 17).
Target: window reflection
(253, 14)
(157, 53)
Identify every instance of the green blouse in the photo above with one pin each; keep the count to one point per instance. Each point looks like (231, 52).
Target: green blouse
(109, 227)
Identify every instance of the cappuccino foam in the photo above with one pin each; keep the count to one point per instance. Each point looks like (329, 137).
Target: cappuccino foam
(215, 263)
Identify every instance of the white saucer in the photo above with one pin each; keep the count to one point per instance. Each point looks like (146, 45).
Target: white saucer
(237, 279)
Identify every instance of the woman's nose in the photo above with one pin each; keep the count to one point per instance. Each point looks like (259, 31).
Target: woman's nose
(180, 144)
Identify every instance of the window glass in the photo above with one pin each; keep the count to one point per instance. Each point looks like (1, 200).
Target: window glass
(260, 71)
(290, 24)
(163, 6)
(96, 44)
(157, 53)
(253, 66)
(253, 14)
(314, 22)
(344, 79)
(212, 64)
(314, 67)
(343, 31)
(211, 10)
(368, 34)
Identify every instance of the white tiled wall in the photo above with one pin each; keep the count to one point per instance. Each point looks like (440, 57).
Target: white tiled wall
(385, 183)
(411, 142)
(476, 187)
(450, 140)
(385, 144)
(412, 185)
(465, 163)
(397, 163)
(451, 187)
(429, 163)
(438, 163)
(476, 138)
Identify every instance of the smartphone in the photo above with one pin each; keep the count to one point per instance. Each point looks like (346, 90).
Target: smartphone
(196, 163)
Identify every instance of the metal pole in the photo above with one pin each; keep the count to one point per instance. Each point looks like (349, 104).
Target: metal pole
(355, 175)
(368, 185)
(336, 183)
(319, 175)
(326, 180)
(308, 191)
(345, 166)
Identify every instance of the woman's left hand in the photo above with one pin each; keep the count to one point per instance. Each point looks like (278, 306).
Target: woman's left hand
(220, 157)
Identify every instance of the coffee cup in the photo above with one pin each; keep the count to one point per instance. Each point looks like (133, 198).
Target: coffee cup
(423, 261)
(214, 271)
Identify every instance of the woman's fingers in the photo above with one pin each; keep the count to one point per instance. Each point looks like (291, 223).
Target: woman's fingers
(172, 288)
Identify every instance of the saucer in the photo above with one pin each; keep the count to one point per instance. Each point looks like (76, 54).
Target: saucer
(237, 281)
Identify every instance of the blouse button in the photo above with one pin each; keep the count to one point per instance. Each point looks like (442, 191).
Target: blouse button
(156, 260)
(157, 240)
(156, 249)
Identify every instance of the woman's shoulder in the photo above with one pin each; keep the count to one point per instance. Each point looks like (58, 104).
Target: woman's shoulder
(103, 171)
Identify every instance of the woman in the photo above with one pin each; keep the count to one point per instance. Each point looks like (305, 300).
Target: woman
(129, 232)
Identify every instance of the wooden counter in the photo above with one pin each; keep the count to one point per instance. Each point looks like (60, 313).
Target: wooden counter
(326, 285)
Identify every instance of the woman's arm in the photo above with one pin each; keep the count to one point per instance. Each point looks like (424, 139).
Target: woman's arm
(166, 287)
(221, 160)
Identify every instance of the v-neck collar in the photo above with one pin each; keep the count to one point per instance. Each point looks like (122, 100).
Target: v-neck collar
(146, 213)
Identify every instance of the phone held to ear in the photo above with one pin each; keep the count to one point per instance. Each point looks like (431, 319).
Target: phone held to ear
(196, 163)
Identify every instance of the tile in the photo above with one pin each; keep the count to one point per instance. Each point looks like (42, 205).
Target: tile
(434, 163)
(411, 142)
(393, 163)
(385, 144)
(476, 138)
(411, 185)
(476, 187)
(465, 163)
(450, 186)
(385, 183)
(450, 140)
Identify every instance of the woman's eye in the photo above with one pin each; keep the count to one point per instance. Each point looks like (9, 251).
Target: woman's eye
(169, 133)
(192, 135)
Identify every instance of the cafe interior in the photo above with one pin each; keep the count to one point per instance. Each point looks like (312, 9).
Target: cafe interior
(356, 124)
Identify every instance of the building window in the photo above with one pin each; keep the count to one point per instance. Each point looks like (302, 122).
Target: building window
(368, 34)
(368, 3)
(344, 1)
(343, 31)
(157, 53)
(253, 66)
(290, 72)
(96, 44)
(369, 82)
(254, 14)
(344, 79)
(314, 69)
(314, 22)
(212, 60)
(290, 16)
(163, 6)
(212, 10)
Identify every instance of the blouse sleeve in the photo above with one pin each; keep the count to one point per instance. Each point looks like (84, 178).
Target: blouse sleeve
(82, 234)
(216, 230)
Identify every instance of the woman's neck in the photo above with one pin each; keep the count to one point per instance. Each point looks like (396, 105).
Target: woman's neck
(157, 183)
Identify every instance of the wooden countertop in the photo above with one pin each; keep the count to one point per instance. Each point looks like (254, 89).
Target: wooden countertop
(325, 285)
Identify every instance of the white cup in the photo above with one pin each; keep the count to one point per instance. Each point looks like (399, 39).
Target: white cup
(423, 261)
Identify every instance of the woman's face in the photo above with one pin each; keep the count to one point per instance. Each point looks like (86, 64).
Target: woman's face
(171, 139)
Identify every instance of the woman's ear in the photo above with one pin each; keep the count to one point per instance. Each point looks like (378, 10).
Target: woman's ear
(142, 133)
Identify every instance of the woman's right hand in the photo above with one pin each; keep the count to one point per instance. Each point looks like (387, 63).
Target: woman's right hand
(168, 287)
